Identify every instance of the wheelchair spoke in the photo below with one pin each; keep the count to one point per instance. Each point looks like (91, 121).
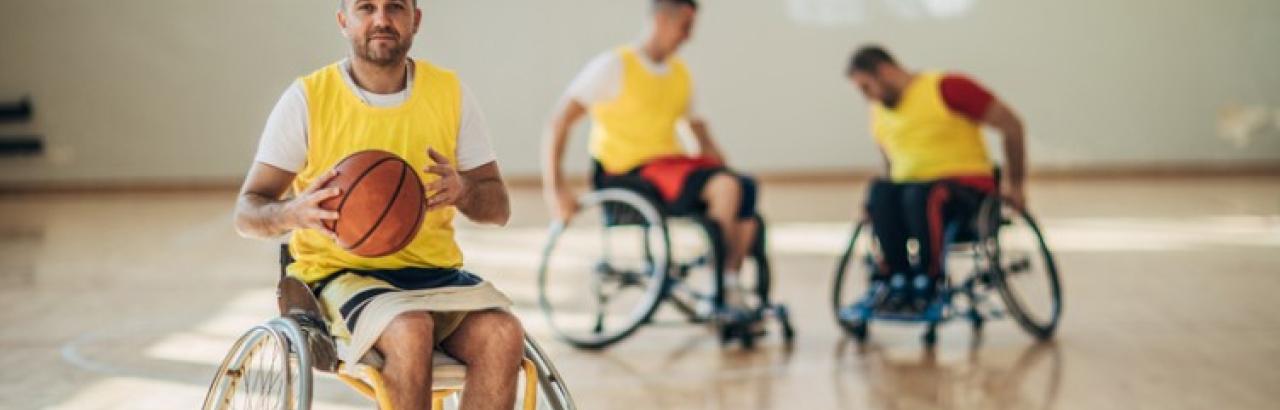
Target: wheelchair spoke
(262, 378)
(599, 325)
(1018, 263)
(700, 261)
(688, 294)
(608, 282)
(632, 279)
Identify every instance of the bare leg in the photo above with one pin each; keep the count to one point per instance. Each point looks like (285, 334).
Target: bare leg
(491, 343)
(406, 345)
(747, 230)
(723, 194)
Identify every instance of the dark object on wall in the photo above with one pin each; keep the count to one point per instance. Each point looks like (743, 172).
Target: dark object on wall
(21, 145)
(19, 111)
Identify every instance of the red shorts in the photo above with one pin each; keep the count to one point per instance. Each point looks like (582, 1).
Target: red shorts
(668, 174)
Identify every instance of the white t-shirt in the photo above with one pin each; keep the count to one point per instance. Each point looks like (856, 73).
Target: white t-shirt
(601, 80)
(284, 140)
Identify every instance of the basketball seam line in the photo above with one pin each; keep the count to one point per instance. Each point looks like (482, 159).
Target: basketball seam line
(417, 224)
(354, 184)
(386, 209)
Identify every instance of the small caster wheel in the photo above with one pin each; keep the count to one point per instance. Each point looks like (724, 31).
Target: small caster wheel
(788, 333)
(930, 337)
(858, 330)
(748, 338)
(726, 334)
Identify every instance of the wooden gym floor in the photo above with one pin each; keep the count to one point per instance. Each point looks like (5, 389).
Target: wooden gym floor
(127, 301)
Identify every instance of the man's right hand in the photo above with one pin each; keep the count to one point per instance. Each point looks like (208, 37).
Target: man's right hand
(562, 203)
(304, 211)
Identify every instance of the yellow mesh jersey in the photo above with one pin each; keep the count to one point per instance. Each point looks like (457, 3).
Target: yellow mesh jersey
(924, 139)
(340, 124)
(640, 123)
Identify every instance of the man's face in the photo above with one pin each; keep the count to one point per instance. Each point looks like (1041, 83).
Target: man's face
(875, 88)
(381, 31)
(675, 26)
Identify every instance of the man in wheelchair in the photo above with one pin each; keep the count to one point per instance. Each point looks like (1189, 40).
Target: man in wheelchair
(636, 95)
(405, 305)
(928, 126)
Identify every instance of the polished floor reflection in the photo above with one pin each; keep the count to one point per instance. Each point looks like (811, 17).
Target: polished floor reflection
(127, 301)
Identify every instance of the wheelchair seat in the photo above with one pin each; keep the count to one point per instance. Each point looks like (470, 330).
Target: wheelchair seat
(622, 215)
(447, 373)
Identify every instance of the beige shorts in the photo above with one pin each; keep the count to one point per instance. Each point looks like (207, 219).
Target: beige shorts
(359, 308)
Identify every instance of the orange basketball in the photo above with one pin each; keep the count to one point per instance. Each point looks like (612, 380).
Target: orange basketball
(381, 205)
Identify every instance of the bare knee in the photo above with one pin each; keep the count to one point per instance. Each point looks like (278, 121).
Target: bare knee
(508, 339)
(409, 334)
(503, 340)
(723, 191)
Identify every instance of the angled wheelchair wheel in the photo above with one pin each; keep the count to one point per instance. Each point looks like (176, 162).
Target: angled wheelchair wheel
(852, 275)
(604, 272)
(695, 262)
(1023, 269)
(553, 393)
(695, 288)
(268, 368)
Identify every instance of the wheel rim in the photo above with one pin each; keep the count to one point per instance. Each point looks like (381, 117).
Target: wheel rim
(597, 282)
(257, 375)
(554, 393)
(1027, 274)
(853, 271)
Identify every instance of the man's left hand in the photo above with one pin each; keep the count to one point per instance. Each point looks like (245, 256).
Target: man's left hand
(447, 190)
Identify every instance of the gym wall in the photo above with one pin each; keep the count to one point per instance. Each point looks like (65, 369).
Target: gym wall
(173, 92)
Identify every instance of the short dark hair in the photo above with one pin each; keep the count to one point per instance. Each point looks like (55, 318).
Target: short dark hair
(342, 4)
(690, 3)
(867, 58)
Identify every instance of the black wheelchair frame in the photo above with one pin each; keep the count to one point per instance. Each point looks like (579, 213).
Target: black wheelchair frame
(979, 238)
(632, 202)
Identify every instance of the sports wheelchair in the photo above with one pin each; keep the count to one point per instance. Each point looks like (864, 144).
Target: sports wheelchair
(999, 248)
(605, 271)
(270, 366)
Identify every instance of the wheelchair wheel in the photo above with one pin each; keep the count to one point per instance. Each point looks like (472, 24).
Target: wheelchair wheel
(1022, 267)
(604, 272)
(266, 369)
(553, 393)
(696, 266)
(853, 272)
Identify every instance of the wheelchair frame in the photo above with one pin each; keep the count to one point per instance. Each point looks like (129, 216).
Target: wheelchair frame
(308, 346)
(646, 211)
(988, 273)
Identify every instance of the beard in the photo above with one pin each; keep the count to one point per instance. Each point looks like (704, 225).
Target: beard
(381, 55)
(891, 99)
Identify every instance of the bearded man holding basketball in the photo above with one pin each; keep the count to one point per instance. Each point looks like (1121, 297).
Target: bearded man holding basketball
(405, 304)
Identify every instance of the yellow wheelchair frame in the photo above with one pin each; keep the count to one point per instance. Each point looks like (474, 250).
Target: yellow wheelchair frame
(300, 332)
(376, 389)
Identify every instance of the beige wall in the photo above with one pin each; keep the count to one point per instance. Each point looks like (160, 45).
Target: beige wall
(144, 90)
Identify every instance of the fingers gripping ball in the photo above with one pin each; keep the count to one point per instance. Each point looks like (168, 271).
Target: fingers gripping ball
(381, 204)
